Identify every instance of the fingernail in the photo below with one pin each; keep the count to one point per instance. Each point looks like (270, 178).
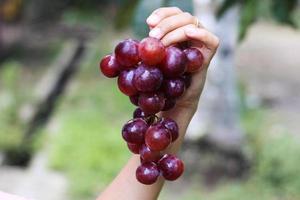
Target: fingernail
(189, 31)
(152, 20)
(156, 33)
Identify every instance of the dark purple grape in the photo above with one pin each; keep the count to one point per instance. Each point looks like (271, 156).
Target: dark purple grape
(138, 113)
(134, 148)
(157, 137)
(174, 63)
(125, 82)
(147, 173)
(151, 51)
(109, 66)
(151, 103)
(194, 59)
(147, 79)
(187, 79)
(169, 104)
(172, 126)
(148, 155)
(134, 100)
(127, 53)
(171, 167)
(134, 131)
(173, 88)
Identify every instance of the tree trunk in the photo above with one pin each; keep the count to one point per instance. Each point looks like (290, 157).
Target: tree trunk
(217, 118)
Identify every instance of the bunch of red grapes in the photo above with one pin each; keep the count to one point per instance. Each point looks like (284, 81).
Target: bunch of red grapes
(153, 76)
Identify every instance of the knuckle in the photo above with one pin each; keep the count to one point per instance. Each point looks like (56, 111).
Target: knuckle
(176, 9)
(158, 10)
(188, 15)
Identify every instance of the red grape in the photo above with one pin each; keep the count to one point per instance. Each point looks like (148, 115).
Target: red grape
(173, 87)
(157, 137)
(125, 82)
(151, 103)
(134, 131)
(194, 59)
(134, 148)
(151, 51)
(138, 113)
(147, 173)
(172, 126)
(171, 167)
(127, 53)
(174, 63)
(169, 104)
(187, 79)
(148, 155)
(134, 99)
(109, 66)
(147, 79)
(153, 77)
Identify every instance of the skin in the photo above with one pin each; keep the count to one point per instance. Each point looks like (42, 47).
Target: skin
(170, 25)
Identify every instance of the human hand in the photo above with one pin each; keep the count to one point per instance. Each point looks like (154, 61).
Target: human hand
(171, 26)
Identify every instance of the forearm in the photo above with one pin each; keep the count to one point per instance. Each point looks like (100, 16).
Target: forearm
(126, 185)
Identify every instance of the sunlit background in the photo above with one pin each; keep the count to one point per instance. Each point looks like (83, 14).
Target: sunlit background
(60, 119)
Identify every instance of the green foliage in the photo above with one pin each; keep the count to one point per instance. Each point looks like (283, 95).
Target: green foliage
(10, 101)
(247, 17)
(82, 17)
(87, 143)
(10, 75)
(282, 11)
(186, 5)
(125, 14)
(146, 7)
(227, 4)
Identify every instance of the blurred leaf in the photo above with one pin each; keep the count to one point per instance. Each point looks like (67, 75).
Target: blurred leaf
(125, 13)
(225, 6)
(144, 9)
(282, 11)
(10, 75)
(247, 17)
(186, 5)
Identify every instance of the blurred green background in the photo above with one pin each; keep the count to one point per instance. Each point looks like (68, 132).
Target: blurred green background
(60, 119)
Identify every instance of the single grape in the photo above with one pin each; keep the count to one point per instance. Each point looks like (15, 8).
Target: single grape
(171, 167)
(138, 113)
(134, 100)
(151, 103)
(148, 155)
(174, 63)
(127, 53)
(194, 59)
(147, 173)
(169, 104)
(187, 79)
(109, 66)
(125, 82)
(134, 131)
(147, 79)
(173, 87)
(172, 126)
(151, 51)
(157, 137)
(134, 148)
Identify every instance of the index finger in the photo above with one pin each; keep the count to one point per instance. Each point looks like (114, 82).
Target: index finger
(161, 13)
